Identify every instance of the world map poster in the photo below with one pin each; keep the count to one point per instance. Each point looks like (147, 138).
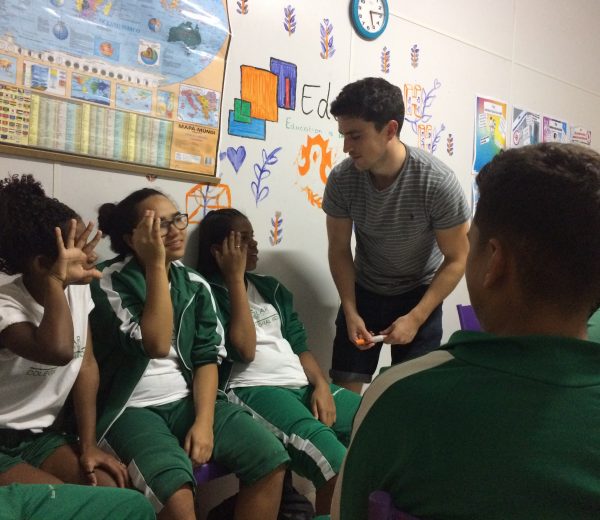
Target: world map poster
(134, 81)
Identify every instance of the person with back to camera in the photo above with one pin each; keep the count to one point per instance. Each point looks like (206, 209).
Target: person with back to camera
(594, 327)
(158, 340)
(45, 356)
(410, 219)
(503, 423)
(272, 373)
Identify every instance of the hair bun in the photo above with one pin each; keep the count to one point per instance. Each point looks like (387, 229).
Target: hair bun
(106, 216)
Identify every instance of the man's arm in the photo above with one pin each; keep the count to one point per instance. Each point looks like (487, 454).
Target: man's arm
(341, 264)
(454, 246)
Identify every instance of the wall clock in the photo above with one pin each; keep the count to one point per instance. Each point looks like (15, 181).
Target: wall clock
(369, 17)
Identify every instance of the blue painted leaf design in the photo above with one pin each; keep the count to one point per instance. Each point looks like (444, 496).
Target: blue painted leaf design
(263, 193)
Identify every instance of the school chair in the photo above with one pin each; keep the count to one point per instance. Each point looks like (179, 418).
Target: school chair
(381, 507)
(209, 471)
(467, 318)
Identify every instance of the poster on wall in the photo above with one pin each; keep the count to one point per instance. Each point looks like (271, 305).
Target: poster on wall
(525, 127)
(131, 85)
(490, 131)
(554, 130)
(580, 135)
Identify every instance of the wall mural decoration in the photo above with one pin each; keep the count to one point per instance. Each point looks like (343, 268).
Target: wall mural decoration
(276, 232)
(261, 172)
(450, 144)
(414, 56)
(203, 198)
(314, 164)
(242, 6)
(385, 60)
(418, 102)
(327, 46)
(289, 20)
(236, 156)
(262, 93)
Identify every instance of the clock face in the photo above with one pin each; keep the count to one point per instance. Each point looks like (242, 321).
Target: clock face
(370, 17)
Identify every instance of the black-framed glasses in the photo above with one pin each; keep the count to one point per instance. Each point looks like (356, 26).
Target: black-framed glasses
(180, 221)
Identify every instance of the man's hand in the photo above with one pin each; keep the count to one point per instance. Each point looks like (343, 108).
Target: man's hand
(358, 333)
(402, 331)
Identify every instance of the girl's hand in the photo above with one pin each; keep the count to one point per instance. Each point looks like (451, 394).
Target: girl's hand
(198, 443)
(70, 266)
(323, 405)
(231, 259)
(147, 242)
(89, 247)
(94, 457)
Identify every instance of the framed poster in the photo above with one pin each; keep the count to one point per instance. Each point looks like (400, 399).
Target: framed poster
(130, 85)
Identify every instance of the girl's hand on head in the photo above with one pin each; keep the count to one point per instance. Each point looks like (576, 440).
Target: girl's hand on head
(70, 265)
(232, 256)
(147, 242)
(88, 248)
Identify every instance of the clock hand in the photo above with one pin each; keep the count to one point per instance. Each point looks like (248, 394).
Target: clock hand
(372, 13)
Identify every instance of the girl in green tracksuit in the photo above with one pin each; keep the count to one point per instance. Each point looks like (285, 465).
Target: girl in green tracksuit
(271, 371)
(157, 343)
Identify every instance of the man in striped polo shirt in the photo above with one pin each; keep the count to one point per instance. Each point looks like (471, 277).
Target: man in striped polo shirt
(501, 424)
(410, 219)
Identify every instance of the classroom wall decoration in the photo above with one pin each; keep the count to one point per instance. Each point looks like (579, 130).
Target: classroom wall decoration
(525, 127)
(205, 197)
(280, 42)
(490, 131)
(136, 83)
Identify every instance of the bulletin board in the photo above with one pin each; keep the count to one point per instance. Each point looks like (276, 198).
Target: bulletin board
(132, 86)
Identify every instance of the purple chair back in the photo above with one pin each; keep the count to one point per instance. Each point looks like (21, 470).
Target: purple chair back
(467, 318)
(381, 507)
(209, 471)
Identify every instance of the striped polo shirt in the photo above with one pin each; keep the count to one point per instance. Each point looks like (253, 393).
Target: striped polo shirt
(396, 249)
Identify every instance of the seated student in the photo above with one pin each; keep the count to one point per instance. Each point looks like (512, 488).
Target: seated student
(594, 327)
(274, 375)
(45, 348)
(503, 423)
(157, 341)
(69, 502)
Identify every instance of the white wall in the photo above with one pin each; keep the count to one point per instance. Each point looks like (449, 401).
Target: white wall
(531, 53)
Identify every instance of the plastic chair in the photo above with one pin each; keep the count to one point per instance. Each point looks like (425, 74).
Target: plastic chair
(381, 507)
(209, 471)
(467, 318)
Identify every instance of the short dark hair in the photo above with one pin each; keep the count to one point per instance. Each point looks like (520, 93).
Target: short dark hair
(118, 220)
(27, 222)
(544, 201)
(213, 229)
(371, 99)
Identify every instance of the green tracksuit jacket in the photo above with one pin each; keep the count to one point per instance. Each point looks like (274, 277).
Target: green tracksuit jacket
(277, 295)
(119, 298)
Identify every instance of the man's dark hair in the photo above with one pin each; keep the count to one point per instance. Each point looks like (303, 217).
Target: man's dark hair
(213, 229)
(543, 201)
(118, 220)
(371, 99)
(27, 222)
